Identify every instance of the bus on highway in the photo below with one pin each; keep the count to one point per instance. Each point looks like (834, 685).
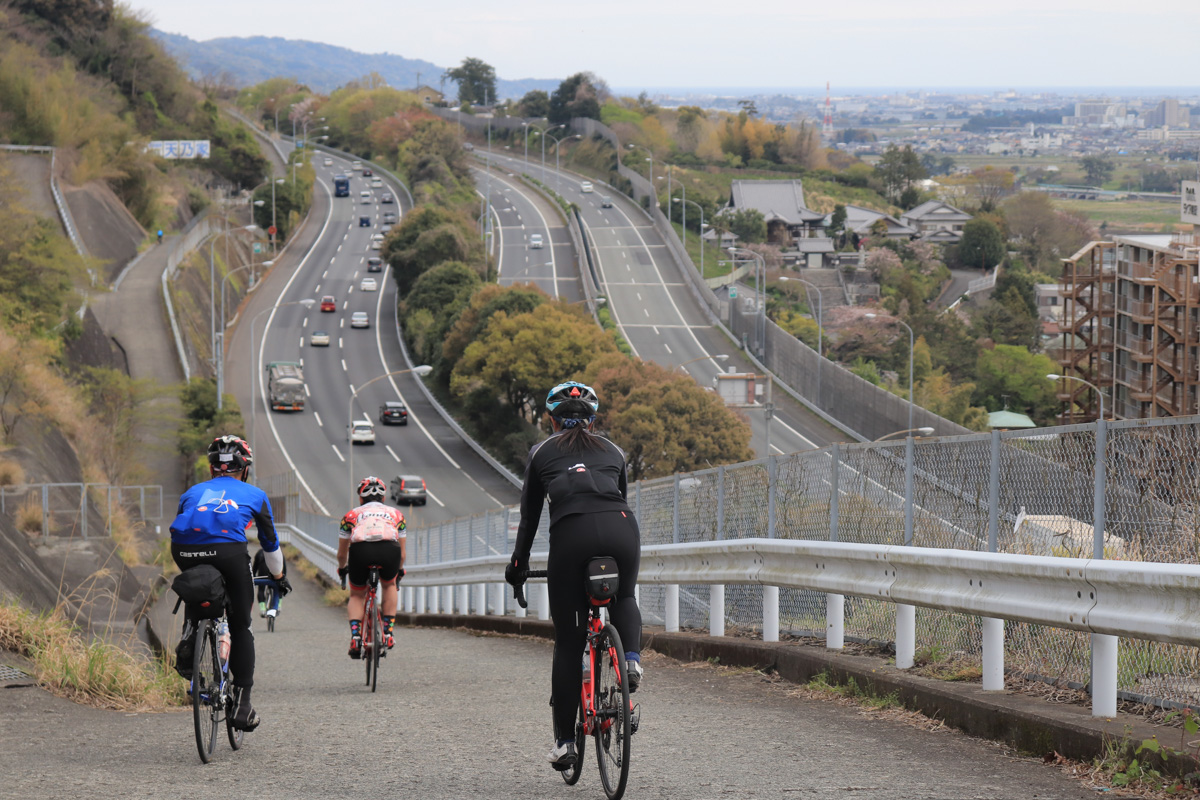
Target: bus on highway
(341, 186)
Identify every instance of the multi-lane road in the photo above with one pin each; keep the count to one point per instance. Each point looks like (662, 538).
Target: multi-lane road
(314, 442)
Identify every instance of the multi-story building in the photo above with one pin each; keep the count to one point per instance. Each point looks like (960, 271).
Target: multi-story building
(1131, 327)
(1168, 112)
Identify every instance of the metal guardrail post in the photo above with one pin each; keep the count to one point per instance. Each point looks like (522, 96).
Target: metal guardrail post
(993, 629)
(835, 604)
(543, 596)
(771, 593)
(671, 609)
(906, 615)
(716, 592)
(1104, 647)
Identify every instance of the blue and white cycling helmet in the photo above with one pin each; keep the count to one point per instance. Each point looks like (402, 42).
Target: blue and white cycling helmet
(572, 402)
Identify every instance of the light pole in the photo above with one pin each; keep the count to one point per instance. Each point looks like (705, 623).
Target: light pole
(307, 302)
(543, 138)
(275, 235)
(527, 126)
(911, 352)
(276, 105)
(650, 159)
(683, 206)
(1056, 377)
(760, 263)
(923, 431)
(420, 371)
(212, 283)
(557, 141)
(221, 333)
(820, 324)
(717, 357)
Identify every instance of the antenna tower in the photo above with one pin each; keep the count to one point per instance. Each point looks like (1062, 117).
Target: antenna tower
(827, 127)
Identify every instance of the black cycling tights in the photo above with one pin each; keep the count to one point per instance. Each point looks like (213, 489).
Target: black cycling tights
(232, 560)
(574, 540)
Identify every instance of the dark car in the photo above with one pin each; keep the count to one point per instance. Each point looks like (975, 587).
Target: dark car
(374, 264)
(364, 222)
(409, 489)
(605, 201)
(367, 172)
(393, 412)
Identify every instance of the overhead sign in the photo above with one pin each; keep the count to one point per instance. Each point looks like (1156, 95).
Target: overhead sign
(737, 389)
(1189, 206)
(188, 148)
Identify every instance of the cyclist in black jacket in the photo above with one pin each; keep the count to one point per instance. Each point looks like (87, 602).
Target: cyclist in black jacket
(582, 475)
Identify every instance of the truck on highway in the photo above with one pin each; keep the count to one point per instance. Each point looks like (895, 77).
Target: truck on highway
(341, 186)
(285, 386)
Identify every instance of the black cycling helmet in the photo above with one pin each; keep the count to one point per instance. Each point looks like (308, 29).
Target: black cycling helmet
(229, 455)
(572, 401)
(372, 487)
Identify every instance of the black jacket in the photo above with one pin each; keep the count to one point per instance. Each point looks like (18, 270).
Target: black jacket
(574, 483)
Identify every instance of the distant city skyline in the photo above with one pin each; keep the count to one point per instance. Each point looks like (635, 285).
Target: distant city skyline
(921, 44)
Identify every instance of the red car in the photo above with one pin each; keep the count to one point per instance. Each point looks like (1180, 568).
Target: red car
(328, 303)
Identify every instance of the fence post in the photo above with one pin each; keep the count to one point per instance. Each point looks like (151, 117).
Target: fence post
(716, 592)
(480, 599)
(45, 510)
(906, 615)
(770, 593)
(543, 590)
(835, 604)
(83, 509)
(1104, 646)
(993, 629)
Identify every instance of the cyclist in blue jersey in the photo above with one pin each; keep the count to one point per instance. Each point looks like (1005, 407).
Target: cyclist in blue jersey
(210, 528)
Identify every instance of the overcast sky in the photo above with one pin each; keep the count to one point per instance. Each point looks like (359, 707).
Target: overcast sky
(781, 43)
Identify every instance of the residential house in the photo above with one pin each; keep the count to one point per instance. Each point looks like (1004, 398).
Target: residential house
(859, 221)
(429, 95)
(937, 222)
(782, 205)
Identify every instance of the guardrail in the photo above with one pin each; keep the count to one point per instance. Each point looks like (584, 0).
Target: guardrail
(64, 211)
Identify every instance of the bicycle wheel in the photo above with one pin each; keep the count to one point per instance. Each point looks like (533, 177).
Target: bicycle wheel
(612, 713)
(571, 774)
(206, 689)
(236, 735)
(272, 604)
(367, 625)
(376, 646)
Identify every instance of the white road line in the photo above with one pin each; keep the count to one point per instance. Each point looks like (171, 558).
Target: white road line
(301, 342)
(342, 322)
(325, 273)
(301, 363)
(339, 341)
(344, 365)
(317, 290)
(319, 423)
(668, 348)
(433, 497)
(388, 447)
(341, 457)
(646, 311)
(305, 325)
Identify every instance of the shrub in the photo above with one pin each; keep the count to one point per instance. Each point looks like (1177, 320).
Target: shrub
(11, 473)
(29, 515)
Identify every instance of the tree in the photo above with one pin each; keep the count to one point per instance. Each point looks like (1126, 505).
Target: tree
(519, 358)
(1005, 319)
(441, 291)
(837, 224)
(118, 407)
(1015, 373)
(748, 223)
(989, 185)
(1097, 169)
(577, 96)
(899, 169)
(663, 420)
(471, 322)
(534, 104)
(425, 237)
(476, 81)
(982, 244)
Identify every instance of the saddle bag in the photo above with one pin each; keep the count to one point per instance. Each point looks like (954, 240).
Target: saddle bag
(601, 580)
(202, 589)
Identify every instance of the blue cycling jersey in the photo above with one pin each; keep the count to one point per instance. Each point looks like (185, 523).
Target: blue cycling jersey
(222, 510)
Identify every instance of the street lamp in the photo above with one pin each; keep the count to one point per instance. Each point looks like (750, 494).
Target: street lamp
(1056, 377)
(683, 207)
(420, 371)
(543, 137)
(760, 263)
(820, 324)
(923, 431)
(527, 126)
(212, 283)
(274, 236)
(557, 141)
(911, 352)
(221, 333)
(650, 159)
(307, 302)
(717, 357)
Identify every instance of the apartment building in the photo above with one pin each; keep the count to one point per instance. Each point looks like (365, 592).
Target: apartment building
(1131, 327)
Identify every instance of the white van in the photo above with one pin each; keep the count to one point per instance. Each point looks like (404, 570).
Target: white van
(585, 187)
(366, 196)
(535, 241)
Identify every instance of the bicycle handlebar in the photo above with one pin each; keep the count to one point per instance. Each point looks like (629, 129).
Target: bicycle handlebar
(519, 589)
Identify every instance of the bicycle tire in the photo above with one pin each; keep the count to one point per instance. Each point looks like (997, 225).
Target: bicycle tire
(613, 713)
(571, 774)
(206, 689)
(270, 623)
(368, 618)
(376, 646)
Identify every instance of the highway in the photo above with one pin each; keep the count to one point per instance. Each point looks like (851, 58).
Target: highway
(655, 310)
(314, 441)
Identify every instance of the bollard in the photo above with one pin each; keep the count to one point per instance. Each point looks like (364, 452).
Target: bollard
(716, 610)
(543, 591)
(993, 654)
(671, 608)
(462, 599)
(906, 635)
(421, 593)
(835, 621)
(481, 598)
(770, 613)
(1104, 675)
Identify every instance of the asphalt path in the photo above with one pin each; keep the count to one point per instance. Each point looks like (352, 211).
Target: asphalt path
(460, 715)
(655, 310)
(314, 442)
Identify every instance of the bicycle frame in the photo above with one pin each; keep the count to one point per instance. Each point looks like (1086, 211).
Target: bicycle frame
(587, 698)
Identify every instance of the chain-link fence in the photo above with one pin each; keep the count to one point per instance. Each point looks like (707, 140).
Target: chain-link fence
(1126, 490)
(76, 509)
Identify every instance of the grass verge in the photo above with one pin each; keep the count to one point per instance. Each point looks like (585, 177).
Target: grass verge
(96, 673)
(334, 595)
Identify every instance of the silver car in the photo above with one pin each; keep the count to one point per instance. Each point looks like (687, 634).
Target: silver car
(409, 489)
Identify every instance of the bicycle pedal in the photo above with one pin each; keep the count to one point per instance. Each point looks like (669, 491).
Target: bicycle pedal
(635, 718)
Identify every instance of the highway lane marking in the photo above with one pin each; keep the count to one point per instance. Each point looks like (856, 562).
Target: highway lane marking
(302, 347)
(339, 248)
(639, 295)
(344, 365)
(342, 322)
(667, 346)
(643, 283)
(604, 280)
(434, 498)
(338, 453)
(263, 345)
(305, 325)
(318, 416)
(317, 290)
(301, 363)
(339, 341)
(307, 393)
(388, 447)
(655, 326)
(646, 311)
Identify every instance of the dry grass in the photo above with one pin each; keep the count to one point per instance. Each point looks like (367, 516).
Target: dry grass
(94, 673)
(29, 515)
(11, 474)
(124, 532)
(335, 596)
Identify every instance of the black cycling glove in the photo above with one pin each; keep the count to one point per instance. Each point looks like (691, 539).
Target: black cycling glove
(514, 572)
(283, 585)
